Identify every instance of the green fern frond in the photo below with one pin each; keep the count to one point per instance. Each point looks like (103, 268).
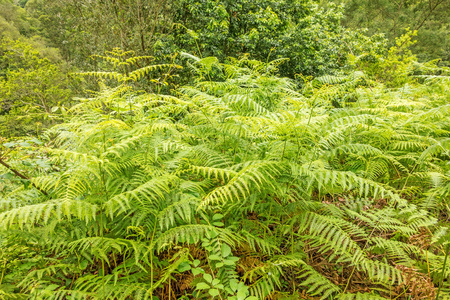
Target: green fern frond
(259, 175)
(137, 74)
(28, 216)
(192, 234)
(147, 195)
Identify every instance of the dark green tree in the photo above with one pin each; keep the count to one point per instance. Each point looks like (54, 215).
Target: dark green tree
(311, 37)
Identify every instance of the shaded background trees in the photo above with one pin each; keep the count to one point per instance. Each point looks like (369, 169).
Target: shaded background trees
(429, 17)
(308, 35)
(315, 36)
(83, 28)
(298, 30)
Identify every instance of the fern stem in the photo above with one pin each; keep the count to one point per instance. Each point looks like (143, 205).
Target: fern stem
(314, 155)
(409, 175)
(443, 271)
(404, 291)
(310, 114)
(354, 267)
(237, 143)
(248, 148)
(131, 108)
(299, 147)
(349, 278)
(268, 56)
(151, 257)
(210, 267)
(105, 197)
(297, 135)
(284, 148)
(292, 243)
(170, 281)
(3, 272)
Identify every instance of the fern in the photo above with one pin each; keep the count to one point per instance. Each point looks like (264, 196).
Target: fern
(241, 179)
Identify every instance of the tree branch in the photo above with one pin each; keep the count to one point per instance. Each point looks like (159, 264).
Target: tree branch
(432, 9)
(18, 174)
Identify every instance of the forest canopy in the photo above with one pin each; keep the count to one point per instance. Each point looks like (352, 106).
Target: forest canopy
(217, 149)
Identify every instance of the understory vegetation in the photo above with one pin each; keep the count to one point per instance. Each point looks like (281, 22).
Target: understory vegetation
(236, 187)
(278, 155)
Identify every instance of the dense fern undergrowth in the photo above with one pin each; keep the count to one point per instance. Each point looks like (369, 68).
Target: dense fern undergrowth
(241, 186)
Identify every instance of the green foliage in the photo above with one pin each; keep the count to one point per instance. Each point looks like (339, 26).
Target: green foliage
(309, 36)
(31, 88)
(124, 71)
(429, 18)
(15, 22)
(236, 187)
(394, 67)
(83, 28)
